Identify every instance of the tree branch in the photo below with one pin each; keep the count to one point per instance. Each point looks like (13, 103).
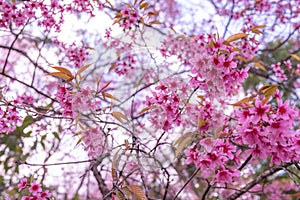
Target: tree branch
(256, 181)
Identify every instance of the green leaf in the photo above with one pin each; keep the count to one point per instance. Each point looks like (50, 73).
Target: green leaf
(43, 137)
(34, 145)
(56, 135)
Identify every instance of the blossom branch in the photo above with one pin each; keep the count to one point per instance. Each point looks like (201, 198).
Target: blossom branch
(187, 182)
(260, 178)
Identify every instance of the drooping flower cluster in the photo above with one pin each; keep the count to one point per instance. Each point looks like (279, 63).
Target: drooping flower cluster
(9, 117)
(129, 18)
(213, 158)
(83, 101)
(269, 131)
(266, 131)
(48, 14)
(76, 55)
(166, 103)
(212, 71)
(35, 191)
(93, 142)
(125, 60)
(205, 116)
(64, 98)
(74, 102)
(279, 72)
(126, 64)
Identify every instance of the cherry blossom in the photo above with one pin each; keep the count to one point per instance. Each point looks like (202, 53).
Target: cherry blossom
(35, 188)
(22, 184)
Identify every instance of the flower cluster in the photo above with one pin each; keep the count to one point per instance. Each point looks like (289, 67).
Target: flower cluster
(205, 116)
(35, 191)
(166, 103)
(9, 119)
(22, 13)
(214, 72)
(64, 98)
(123, 66)
(213, 159)
(266, 131)
(84, 100)
(279, 72)
(279, 189)
(76, 55)
(49, 15)
(86, 6)
(10, 13)
(129, 18)
(27, 99)
(74, 102)
(93, 141)
(269, 131)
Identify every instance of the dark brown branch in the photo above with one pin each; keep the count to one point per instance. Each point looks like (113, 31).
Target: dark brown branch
(188, 181)
(229, 20)
(206, 191)
(29, 86)
(256, 181)
(23, 53)
(245, 163)
(168, 183)
(10, 48)
(101, 184)
(283, 42)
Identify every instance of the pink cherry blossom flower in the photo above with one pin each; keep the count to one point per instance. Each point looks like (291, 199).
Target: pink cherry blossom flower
(125, 12)
(192, 155)
(93, 141)
(44, 195)
(260, 111)
(35, 188)
(282, 109)
(251, 136)
(288, 64)
(225, 176)
(22, 184)
(259, 152)
(277, 94)
(204, 164)
(26, 198)
(208, 144)
(34, 198)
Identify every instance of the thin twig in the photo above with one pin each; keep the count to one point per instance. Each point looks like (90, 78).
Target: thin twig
(188, 181)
